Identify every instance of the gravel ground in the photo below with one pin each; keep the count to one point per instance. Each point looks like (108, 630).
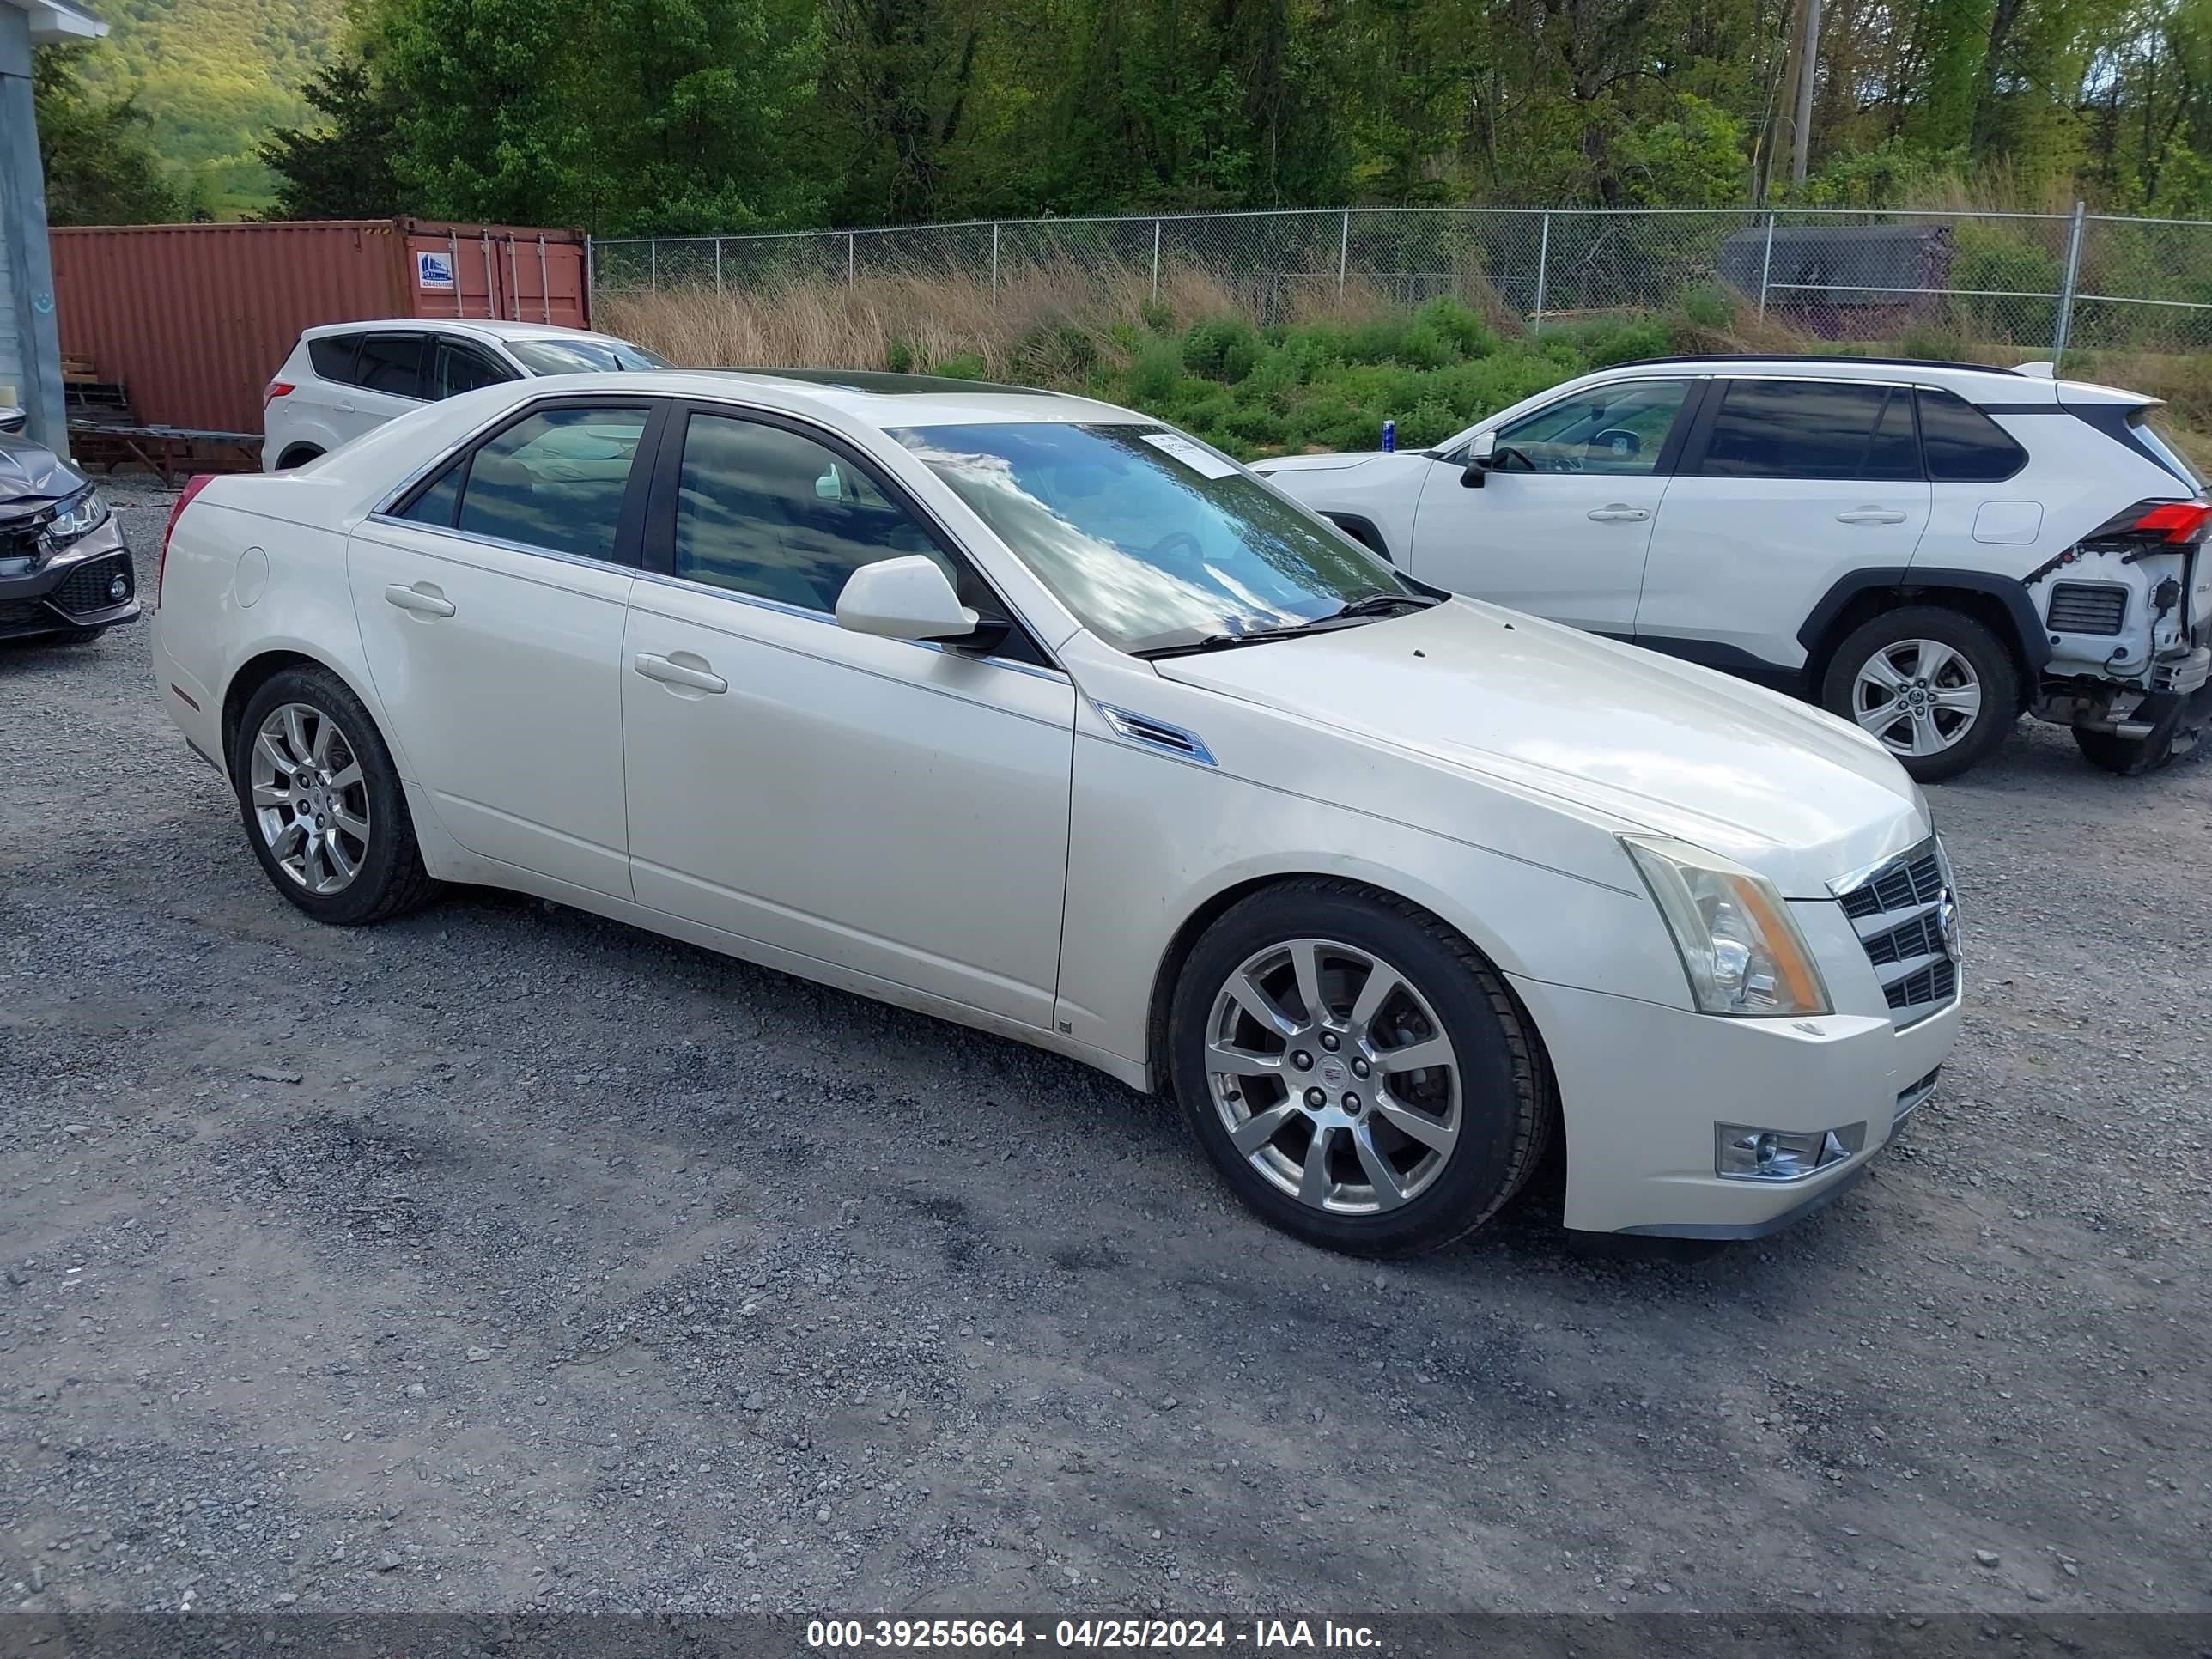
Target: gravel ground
(504, 1257)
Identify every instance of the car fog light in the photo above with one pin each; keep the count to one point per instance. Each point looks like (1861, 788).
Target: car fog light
(1741, 1153)
(118, 590)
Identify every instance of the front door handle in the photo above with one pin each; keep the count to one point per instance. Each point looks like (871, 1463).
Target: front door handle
(676, 673)
(1620, 513)
(423, 600)
(1870, 515)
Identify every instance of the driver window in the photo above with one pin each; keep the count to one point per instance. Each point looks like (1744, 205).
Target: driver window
(1615, 429)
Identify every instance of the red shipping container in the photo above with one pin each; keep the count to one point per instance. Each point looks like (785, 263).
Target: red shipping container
(194, 319)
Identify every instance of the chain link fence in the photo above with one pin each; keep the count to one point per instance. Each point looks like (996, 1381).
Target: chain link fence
(1932, 283)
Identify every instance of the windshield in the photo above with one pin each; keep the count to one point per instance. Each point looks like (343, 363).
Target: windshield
(552, 356)
(1149, 537)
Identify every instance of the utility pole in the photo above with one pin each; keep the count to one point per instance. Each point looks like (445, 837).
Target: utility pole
(1808, 63)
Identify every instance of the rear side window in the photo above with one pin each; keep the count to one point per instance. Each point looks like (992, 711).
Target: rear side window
(555, 480)
(392, 363)
(1963, 444)
(464, 368)
(1812, 429)
(332, 356)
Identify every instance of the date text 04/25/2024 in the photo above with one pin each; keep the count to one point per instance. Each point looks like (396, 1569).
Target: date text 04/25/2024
(1092, 1635)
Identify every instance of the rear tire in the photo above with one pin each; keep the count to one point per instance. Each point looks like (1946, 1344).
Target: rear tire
(322, 801)
(1933, 685)
(1300, 1108)
(298, 455)
(2126, 758)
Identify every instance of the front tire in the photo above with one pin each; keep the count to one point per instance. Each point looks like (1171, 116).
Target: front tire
(1933, 685)
(1293, 1024)
(322, 801)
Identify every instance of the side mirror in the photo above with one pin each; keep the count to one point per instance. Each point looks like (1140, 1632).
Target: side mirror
(13, 419)
(1479, 452)
(903, 599)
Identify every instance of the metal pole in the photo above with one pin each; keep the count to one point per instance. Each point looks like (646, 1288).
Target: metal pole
(1543, 265)
(653, 264)
(1156, 258)
(852, 257)
(718, 265)
(514, 279)
(1767, 264)
(994, 263)
(2066, 298)
(491, 275)
(454, 245)
(544, 279)
(1809, 60)
(1343, 253)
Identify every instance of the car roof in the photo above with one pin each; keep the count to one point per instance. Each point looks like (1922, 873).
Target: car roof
(493, 328)
(889, 401)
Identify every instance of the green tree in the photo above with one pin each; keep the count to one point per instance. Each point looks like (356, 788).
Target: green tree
(343, 168)
(100, 169)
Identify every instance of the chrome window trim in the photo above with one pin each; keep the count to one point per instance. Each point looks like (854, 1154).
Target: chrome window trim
(470, 538)
(805, 613)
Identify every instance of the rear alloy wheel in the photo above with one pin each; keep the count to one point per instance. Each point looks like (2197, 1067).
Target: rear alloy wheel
(1356, 1071)
(322, 801)
(1931, 685)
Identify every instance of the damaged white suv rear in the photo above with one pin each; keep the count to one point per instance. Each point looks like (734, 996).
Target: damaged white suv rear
(1930, 550)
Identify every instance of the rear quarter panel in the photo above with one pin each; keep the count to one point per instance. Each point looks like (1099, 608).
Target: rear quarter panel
(256, 564)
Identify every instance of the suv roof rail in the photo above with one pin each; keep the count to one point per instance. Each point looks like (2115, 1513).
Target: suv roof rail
(1813, 357)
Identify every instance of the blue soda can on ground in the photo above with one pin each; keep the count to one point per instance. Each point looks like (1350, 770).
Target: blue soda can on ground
(1389, 437)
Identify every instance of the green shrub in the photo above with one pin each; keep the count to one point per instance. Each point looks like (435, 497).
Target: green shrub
(1153, 372)
(1983, 257)
(1454, 321)
(1627, 343)
(1158, 315)
(1707, 305)
(968, 366)
(1936, 336)
(898, 357)
(1224, 348)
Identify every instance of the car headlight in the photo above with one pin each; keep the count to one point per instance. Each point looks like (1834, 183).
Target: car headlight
(75, 519)
(1739, 945)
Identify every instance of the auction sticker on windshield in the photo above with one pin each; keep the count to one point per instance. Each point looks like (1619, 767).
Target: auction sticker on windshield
(1191, 455)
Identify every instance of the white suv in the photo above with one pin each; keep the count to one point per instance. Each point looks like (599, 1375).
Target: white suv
(1929, 549)
(346, 379)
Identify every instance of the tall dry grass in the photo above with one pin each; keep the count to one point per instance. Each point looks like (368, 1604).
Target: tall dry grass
(1042, 322)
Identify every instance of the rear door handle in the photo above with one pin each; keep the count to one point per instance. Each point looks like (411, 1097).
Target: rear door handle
(1620, 513)
(346, 409)
(676, 673)
(424, 600)
(1870, 515)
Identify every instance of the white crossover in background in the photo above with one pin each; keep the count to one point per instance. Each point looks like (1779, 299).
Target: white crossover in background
(346, 379)
(1024, 711)
(1928, 549)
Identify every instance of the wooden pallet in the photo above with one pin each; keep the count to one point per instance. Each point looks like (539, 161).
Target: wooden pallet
(164, 449)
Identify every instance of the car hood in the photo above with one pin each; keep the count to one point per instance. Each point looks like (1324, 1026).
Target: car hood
(1639, 738)
(1333, 463)
(31, 475)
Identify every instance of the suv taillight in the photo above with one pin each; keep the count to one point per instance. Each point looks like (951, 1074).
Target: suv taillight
(2155, 522)
(193, 485)
(275, 390)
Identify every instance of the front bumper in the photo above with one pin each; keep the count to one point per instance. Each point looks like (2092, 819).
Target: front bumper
(73, 589)
(1642, 1087)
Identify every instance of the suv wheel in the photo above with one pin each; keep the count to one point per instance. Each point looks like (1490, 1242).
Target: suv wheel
(322, 801)
(1933, 684)
(1359, 1075)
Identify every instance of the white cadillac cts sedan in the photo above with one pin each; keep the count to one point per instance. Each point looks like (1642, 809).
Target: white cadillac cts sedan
(1024, 711)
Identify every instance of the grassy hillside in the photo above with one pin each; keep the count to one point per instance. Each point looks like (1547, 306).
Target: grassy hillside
(1324, 377)
(213, 76)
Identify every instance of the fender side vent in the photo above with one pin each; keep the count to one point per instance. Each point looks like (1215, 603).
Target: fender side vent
(1156, 734)
(2087, 607)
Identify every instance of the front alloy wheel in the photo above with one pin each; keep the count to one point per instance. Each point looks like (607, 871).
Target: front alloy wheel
(1355, 1070)
(1333, 1077)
